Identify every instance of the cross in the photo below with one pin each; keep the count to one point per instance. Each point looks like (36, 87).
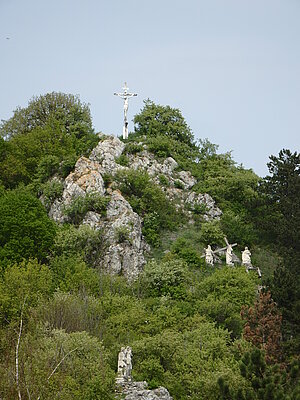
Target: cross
(223, 248)
(125, 96)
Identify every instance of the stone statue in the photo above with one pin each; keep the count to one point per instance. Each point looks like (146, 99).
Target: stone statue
(124, 364)
(125, 96)
(209, 256)
(229, 255)
(246, 257)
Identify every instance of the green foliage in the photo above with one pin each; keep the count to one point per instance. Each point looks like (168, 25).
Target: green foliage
(133, 148)
(187, 252)
(45, 137)
(149, 201)
(211, 233)
(167, 278)
(278, 217)
(22, 286)
(151, 228)
(282, 190)
(271, 383)
(25, 229)
(156, 120)
(51, 191)
(178, 184)
(72, 274)
(122, 234)
(122, 160)
(55, 363)
(163, 180)
(82, 204)
(189, 362)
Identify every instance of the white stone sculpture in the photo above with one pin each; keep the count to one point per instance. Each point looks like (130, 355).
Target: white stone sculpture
(124, 364)
(246, 257)
(229, 255)
(209, 256)
(125, 96)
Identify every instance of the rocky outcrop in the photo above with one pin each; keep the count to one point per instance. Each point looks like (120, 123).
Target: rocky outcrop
(106, 152)
(86, 178)
(130, 390)
(139, 391)
(124, 248)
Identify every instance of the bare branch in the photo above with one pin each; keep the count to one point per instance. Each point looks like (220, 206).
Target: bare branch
(60, 363)
(17, 352)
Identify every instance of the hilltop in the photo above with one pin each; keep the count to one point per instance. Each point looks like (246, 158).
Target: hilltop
(102, 247)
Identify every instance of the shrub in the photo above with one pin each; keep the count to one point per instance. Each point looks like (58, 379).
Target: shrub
(133, 148)
(122, 160)
(51, 190)
(83, 241)
(26, 231)
(149, 201)
(122, 234)
(82, 204)
(183, 249)
(178, 184)
(163, 180)
(211, 233)
(151, 228)
(166, 278)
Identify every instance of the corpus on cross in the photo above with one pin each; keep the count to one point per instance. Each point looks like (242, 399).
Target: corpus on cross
(125, 95)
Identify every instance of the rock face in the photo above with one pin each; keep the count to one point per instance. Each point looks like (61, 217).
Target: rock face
(122, 232)
(139, 391)
(131, 390)
(124, 246)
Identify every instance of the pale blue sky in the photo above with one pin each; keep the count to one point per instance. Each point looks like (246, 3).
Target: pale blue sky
(231, 66)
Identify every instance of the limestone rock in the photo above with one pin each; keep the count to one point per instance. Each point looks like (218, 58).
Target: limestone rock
(105, 154)
(122, 233)
(86, 178)
(139, 391)
(212, 211)
(187, 179)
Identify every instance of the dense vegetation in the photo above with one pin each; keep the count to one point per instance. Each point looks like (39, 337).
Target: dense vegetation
(202, 332)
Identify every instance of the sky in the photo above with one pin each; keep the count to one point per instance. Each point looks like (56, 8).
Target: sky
(231, 66)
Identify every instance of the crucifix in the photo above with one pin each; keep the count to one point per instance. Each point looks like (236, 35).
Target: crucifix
(125, 96)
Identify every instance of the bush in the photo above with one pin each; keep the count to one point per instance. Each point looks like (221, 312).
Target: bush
(122, 234)
(211, 233)
(51, 190)
(22, 286)
(167, 278)
(155, 120)
(163, 180)
(26, 231)
(133, 148)
(122, 160)
(82, 204)
(149, 201)
(84, 242)
(178, 184)
(185, 250)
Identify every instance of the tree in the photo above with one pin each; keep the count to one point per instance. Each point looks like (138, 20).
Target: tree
(156, 120)
(46, 137)
(26, 231)
(65, 108)
(281, 191)
(263, 327)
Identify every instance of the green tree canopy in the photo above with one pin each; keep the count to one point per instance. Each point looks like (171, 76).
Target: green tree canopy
(47, 136)
(157, 120)
(282, 206)
(25, 229)
(65, 108)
